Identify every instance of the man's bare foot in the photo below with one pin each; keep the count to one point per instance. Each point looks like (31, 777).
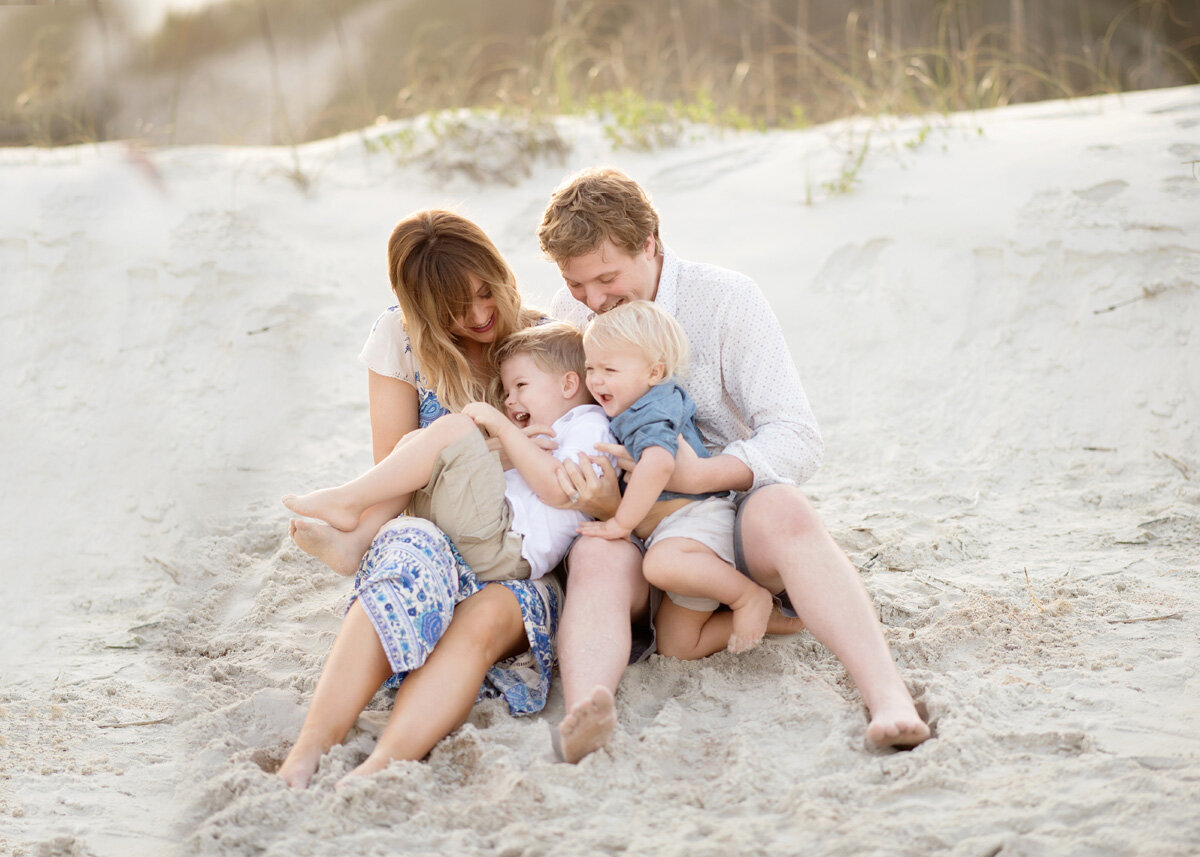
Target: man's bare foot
(298, 768)
(327, 504)
(897, 725)
(750, 617)
(340, 551)
(586, 728)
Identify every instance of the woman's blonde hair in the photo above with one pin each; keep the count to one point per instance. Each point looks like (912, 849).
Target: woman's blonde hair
(594, 205)
(644, 326)
(432, 257)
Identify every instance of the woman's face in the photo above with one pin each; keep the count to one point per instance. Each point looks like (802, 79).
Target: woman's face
(479, 322)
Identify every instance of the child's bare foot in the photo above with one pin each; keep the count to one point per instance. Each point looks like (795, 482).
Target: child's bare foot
(780, 624)
(338, 550)
(327, 504)
(750, 616)
(298, 768)
(586, 728)
(897, 724)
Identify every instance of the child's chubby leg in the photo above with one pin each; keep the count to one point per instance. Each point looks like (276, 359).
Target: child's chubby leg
(690, 634)
(406, 468)
(353, 672)
(436, 698)
(687, 567)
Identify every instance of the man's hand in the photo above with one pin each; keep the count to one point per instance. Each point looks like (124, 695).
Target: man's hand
(624, 459)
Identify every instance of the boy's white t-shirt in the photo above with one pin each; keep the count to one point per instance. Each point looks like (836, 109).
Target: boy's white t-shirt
(546, 533)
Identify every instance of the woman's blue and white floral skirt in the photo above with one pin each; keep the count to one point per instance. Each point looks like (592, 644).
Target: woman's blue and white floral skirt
(409, 583)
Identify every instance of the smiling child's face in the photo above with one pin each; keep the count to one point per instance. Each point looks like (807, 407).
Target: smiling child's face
(532, 396)
(618, 377)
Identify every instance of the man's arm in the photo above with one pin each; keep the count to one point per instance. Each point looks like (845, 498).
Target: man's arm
(761, 381)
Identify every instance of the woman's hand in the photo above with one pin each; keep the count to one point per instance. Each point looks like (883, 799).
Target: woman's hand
(609, 529)
(595, 495)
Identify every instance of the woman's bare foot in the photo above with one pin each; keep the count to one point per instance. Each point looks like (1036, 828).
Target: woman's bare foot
(298, 768)
(897, 724)
(586, 728)
(373, 764)
(340, 551)
(750, 617)
(329, 505)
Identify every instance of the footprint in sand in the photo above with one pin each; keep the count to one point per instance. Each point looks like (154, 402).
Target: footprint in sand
(1103, 192)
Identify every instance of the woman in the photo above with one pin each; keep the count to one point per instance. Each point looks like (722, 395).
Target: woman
(427, 357)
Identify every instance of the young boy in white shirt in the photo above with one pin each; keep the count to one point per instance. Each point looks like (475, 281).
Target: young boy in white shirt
(504, 522)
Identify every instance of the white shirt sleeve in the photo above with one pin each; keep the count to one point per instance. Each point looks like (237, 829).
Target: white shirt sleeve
(763, 386)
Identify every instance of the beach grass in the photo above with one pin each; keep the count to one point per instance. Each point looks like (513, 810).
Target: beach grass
(308, 69)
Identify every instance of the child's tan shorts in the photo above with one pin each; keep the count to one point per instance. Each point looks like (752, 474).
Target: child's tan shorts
(465, 499)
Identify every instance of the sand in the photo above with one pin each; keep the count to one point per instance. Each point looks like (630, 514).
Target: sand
(996, 325)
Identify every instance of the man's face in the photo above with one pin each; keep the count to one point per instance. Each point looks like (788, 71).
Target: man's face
(609, 276)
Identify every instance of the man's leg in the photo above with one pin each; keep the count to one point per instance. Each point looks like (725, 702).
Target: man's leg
(785, 545)
(605, 591)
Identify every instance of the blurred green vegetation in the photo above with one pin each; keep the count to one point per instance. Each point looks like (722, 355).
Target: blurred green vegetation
(285, 71)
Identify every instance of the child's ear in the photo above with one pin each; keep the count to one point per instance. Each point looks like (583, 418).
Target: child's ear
(657, 372)
(570, 384)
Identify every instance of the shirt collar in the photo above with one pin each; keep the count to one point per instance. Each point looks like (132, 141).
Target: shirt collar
(668, 282)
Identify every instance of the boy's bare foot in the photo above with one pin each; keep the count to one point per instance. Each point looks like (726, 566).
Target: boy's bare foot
(298, 768)
(750, 617)
(897, 724)
(780, 624)
(327, 504)
(338, 550)
(586, 728)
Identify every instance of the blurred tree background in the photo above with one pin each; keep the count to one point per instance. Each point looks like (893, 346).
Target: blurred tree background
(286, 71)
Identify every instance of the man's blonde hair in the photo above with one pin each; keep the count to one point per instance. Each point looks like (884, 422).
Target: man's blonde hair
(595, 205)
(644, 326)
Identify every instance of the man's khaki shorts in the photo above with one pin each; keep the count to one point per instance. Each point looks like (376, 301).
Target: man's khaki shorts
(465, 499)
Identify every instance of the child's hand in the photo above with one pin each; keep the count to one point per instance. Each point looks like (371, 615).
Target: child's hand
(609, 529)
(486, 417)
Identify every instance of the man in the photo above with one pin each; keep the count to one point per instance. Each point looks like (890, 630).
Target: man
(603, 233)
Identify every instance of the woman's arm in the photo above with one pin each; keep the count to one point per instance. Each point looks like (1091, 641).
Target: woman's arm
(395, 409)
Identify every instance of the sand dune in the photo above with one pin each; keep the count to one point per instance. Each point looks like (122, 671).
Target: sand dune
(997, 327)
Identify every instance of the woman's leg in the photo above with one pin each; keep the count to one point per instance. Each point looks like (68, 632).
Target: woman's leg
(353, 672)
(406, 468)
(787, 547)
(436, 698)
